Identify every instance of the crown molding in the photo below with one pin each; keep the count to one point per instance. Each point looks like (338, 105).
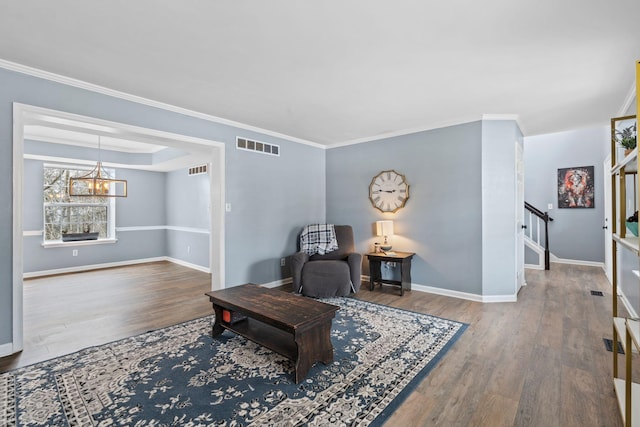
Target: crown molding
(69, 81)
(513, 117)
(410, 131)
(438, 125)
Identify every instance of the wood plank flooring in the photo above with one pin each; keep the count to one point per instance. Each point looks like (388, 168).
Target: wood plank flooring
(68, 312)
(538, 362)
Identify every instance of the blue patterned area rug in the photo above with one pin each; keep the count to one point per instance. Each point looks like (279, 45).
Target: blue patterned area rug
(180, 376)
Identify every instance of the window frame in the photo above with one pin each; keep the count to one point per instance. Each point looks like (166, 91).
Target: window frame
(110, 205)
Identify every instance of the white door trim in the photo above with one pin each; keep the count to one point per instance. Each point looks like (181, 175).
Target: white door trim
(519, 171)
(608, 244)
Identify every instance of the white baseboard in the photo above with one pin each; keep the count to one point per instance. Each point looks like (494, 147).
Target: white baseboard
(534, 266)
(458, 294)
(277, 283)
(555, 259)
(111, 264)
(447, 292)
(6, 349)
(188, 264)
(499, 298)
(464, 295)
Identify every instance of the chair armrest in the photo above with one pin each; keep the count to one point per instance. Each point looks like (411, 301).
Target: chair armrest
(297, 262)
(355, 268)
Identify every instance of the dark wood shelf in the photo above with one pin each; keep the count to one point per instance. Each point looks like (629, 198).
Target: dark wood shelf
(265, 335)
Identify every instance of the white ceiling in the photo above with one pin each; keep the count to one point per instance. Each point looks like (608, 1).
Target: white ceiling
(333, 71)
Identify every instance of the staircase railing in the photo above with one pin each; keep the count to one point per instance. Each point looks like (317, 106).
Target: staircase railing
(534, 226)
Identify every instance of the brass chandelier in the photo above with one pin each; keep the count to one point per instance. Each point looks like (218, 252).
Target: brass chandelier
(97, 183)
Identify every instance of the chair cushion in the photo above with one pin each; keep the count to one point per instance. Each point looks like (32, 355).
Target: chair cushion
(326, 279)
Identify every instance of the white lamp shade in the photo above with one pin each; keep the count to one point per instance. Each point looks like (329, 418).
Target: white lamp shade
(384, 228)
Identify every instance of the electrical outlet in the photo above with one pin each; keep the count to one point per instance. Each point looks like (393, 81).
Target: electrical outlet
(283, 262)
(75, 252)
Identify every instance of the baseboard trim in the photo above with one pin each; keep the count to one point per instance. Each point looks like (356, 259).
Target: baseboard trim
(6, 349)
(79, 268)
(447, 292)
(557, 260)
(277, 283)
(499, 298)
(188, 264)
(458, 294)
(534, 266)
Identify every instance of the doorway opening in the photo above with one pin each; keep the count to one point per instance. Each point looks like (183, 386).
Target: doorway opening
(26, 118)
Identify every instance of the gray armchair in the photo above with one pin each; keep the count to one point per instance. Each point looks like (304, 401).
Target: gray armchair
(336, 273)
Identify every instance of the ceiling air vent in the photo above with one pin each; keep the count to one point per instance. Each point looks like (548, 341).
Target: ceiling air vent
(257, 146)
(198, 170)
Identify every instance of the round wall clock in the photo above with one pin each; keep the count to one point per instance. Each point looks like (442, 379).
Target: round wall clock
(388, 191)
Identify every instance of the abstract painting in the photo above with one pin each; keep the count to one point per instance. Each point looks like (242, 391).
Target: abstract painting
(575, 187)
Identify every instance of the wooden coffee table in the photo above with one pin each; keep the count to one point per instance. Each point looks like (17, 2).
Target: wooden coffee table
(294, 326)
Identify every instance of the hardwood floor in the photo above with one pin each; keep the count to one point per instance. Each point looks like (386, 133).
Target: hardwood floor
(538, 362)
(68, 312)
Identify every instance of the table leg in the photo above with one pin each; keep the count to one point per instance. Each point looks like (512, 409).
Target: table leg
(405, 275)
(314, 345)
(217, 327)
(374, 273)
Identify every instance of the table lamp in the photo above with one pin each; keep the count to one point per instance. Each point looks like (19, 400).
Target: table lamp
(384, 228)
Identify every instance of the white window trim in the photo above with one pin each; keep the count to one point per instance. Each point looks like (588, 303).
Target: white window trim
(111, 213)
(60, 244)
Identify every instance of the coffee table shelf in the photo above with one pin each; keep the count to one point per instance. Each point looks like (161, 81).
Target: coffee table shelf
(265, 335)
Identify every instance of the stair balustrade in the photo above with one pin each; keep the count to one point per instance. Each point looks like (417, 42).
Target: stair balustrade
(537, 228)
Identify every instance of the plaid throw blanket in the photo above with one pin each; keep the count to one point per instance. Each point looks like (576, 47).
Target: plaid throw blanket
(318, 239)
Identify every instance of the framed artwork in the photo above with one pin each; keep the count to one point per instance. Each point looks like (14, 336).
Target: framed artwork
(575, 187)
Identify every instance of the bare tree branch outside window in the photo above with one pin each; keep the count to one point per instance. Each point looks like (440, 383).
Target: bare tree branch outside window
(66, 214)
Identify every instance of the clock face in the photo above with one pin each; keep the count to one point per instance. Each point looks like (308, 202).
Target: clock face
(388, 191)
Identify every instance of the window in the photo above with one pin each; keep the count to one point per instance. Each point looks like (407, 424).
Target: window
(66, 214)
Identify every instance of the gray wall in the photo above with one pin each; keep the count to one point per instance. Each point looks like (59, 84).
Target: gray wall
(143, 207)
(187, 207)
(174, 200)
(575, 234)
(460, 218)
(441, 221)
(271, 197)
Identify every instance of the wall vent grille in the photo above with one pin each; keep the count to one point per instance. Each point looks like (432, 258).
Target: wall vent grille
(198, 170)
(257, 146)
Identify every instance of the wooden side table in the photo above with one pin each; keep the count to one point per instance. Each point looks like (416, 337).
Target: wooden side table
(375, 275)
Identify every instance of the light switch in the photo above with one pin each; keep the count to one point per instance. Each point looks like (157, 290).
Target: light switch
(550, 206)
(227, 207)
